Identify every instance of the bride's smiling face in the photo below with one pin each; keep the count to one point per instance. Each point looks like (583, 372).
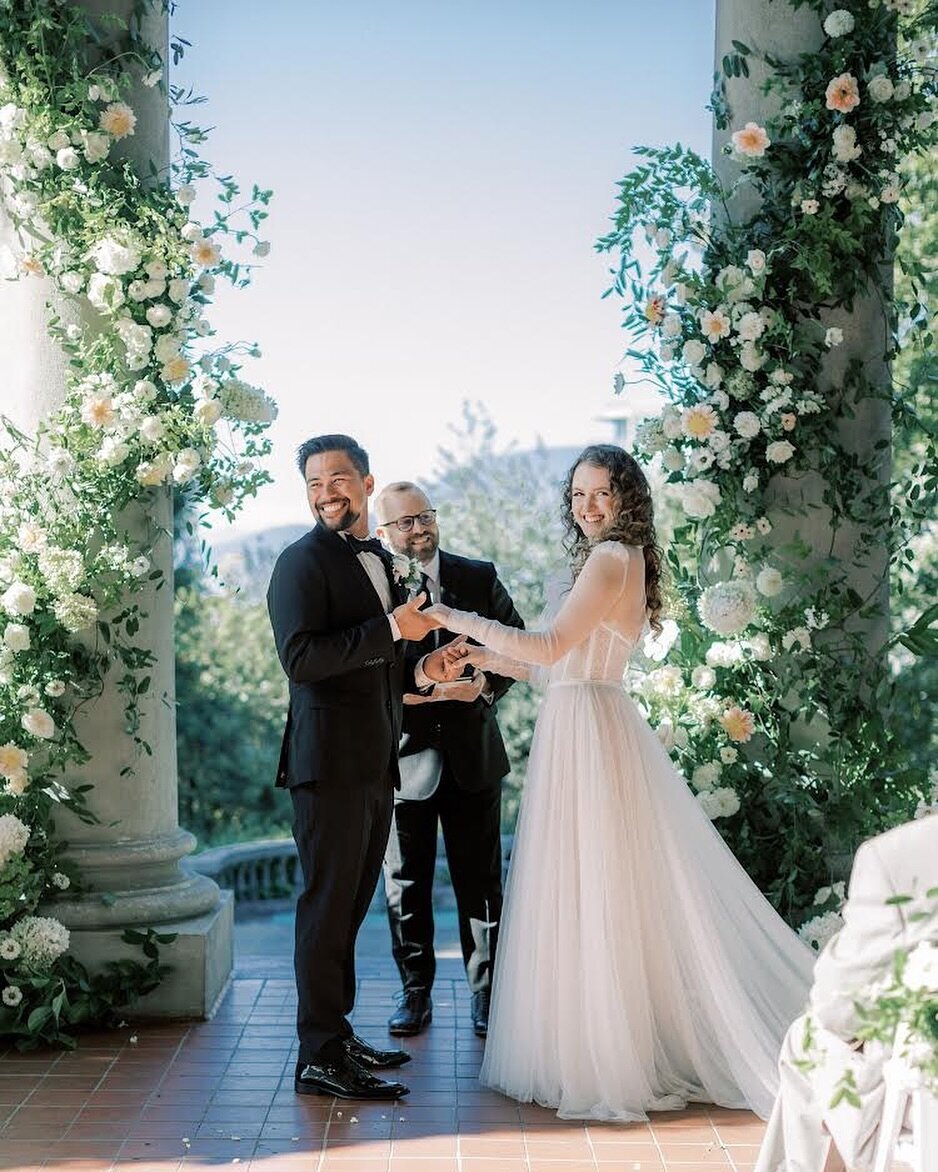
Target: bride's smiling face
(593, 501)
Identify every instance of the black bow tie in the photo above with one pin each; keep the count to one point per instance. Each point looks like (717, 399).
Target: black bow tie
(365, 545)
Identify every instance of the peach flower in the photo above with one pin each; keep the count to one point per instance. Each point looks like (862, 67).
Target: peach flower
(738, 724)
(118, 120)
(751, 141)
(699, 422)
(843, 93)
(655, 309)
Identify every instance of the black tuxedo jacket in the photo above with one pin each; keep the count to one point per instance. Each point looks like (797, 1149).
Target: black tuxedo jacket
(346, 672)
(467, 735)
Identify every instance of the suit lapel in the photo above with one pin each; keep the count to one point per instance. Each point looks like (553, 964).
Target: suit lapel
(357, 572)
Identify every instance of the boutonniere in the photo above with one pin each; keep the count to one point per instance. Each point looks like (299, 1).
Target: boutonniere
(407, 572)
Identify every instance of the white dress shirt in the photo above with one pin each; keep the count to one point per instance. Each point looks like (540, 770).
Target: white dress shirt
(374, 567)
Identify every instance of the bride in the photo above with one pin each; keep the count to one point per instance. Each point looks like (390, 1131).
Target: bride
(639, 968)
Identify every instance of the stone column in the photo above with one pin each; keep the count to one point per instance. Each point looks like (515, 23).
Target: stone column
(131, 858)
(775, 27)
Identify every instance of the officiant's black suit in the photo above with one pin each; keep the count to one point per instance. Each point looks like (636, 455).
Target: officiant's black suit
(338, 758)
(462, 795)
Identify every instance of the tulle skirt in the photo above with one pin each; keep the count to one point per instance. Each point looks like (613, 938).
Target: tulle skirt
(638, 968)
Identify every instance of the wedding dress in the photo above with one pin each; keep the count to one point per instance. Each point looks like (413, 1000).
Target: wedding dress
(638, 966)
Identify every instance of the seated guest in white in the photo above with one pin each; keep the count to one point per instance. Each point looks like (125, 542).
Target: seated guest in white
(803, 1125)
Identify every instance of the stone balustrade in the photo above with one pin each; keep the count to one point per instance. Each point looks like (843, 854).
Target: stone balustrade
(263, 872)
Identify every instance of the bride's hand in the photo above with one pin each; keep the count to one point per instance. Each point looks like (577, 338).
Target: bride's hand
(480, 657)
(437, 614)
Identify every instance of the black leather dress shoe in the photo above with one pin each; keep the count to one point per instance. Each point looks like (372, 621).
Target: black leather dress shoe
(372, 1058)
(414, 1012)
(340, 1076)
(479, 1012)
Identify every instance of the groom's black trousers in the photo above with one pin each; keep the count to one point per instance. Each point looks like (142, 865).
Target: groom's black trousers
(341, 833)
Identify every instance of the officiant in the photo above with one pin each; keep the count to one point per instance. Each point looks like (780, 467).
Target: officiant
(452, 763)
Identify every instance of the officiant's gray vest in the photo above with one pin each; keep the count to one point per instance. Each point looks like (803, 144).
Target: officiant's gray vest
(420, 774)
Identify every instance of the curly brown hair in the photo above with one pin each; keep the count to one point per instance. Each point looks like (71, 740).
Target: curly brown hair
(634, 523)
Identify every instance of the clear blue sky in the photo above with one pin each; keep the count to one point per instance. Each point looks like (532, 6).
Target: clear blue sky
(440, 171)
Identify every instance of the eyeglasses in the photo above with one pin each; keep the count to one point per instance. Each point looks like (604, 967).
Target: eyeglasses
(405, 524)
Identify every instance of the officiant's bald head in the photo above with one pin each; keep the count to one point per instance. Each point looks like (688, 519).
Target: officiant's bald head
(407, 520)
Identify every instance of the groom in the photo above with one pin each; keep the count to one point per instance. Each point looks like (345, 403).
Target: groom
(339, 621)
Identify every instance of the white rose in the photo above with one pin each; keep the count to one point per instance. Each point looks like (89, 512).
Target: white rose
(671, 325)
(665, 733)
(694, 352)
(96, 146)
(178, 290)
(16, 637)
(703, 678)
(750, 482)
(115, 255)
(699, 498)
(779, 452)
(186, 194)
(833, 337)
(191, 232)
(769, 582)
(105, 293)
(144, 391)
(159, 316)
(38, 723)
(154, 472)
(186, 465)
(673, 459)
(71, 282)
(880, 88)
(755, 259)
(152, 429)
(67, 158)
(845, 148)
(750, 358)
(750, 327)
(747, 424)
(19, 600)
(207, 411)
(713, 375)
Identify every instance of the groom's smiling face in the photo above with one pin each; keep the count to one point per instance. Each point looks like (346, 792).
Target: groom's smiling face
(338, 493)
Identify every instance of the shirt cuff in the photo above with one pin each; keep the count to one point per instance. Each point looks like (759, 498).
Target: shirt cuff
(422, 681)
(488, 692)
(395, 629)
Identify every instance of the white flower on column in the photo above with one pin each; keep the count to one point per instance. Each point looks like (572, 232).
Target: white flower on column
(769, 582)
(779, 452)
(747, 424)
(19, 599)
(833, 337)
(755, 259)
(16, 637)
(118, 120)
(839, 23)
(38, 723)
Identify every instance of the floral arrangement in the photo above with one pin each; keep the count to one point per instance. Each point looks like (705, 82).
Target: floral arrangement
(153, 403)
(770, 695)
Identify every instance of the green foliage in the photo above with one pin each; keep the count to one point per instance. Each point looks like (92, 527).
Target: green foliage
(231, 703)
(729, 320)
(503, 506)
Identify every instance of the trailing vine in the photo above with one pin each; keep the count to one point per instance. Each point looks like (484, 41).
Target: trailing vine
(775, 697)
(153, 404)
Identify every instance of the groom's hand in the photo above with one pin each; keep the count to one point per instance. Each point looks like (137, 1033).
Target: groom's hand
(412, 623)
(448, 662)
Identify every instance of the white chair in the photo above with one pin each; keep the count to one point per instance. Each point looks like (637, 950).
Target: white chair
(906, 1102)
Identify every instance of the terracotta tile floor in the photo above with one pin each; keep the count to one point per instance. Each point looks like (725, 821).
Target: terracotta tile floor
(220, 1092)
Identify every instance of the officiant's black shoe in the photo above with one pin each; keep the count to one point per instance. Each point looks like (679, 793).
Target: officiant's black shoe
(412, 1015)
(372, 1058)
(338, 1075)
(479, 1012)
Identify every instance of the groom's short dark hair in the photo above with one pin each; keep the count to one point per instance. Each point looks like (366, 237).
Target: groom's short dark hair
(333, 443)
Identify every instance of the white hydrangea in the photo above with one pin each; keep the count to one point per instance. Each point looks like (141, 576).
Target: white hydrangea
(42, 939)
(16, 637)
(664, 683)
(76, 612)
(819, 929)
(845, 148)
(246, 403)
(724, 654)
(14, 835)
(727, 608)
(839, 23)
(63, 569)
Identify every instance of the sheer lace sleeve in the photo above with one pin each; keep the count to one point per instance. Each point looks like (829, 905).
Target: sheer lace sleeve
(594, 596)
